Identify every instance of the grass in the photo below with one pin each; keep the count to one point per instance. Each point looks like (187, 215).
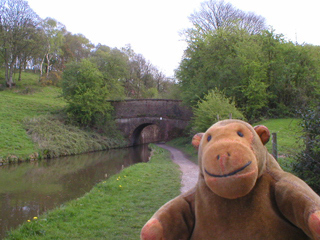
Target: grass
(288, 138)
(27, 99)
(288, 135)
(56, 138)
(114, 209)
(14, 108)
(30, 106)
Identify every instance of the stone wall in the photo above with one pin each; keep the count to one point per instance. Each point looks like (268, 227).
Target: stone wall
(151, 120)
(164, 108)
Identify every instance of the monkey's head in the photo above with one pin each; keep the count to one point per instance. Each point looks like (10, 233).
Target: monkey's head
(232, 156)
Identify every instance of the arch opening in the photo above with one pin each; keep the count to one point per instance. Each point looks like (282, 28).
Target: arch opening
(146, 133)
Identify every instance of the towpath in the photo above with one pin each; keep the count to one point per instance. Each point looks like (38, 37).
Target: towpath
(189, 169)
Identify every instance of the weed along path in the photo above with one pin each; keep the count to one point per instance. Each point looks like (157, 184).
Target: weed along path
(189, 169)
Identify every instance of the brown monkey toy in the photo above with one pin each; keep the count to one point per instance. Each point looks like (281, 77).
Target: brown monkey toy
(241, 193)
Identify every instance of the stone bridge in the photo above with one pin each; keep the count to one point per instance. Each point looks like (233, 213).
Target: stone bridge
(151, 120)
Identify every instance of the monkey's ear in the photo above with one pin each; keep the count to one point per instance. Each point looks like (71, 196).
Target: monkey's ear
(196, 140)
(263, 133)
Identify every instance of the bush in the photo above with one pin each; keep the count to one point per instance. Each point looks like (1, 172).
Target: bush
(215, 106)
(86, 93)
(54, 79)
(308, 161)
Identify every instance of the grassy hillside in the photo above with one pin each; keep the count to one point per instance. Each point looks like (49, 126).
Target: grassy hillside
(26, 100)
(30, 124)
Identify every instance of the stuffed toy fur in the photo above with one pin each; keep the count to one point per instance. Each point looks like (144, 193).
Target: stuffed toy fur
(241, 193)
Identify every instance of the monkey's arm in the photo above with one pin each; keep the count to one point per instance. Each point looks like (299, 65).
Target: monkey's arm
(299, 204)
(174, 220)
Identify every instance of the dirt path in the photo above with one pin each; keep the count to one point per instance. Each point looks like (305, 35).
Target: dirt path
(189, 169)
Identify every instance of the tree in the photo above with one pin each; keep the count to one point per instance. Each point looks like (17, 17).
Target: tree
(86, 93)
(216, 14)
(75, 47)
(266, 75)
(31, 51)
(143, 78)
(211, 62)
(307, 165)
(17, 29)
(54, 37)
(214, 104)
(113, 64)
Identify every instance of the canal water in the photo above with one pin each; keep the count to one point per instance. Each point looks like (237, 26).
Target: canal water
(29, 189)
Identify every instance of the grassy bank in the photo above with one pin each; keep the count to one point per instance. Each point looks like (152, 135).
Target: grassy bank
(32, 126)
(288, 138)
(15, 107)
(114, 209)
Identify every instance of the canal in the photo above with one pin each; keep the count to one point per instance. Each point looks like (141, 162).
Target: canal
(29, 189)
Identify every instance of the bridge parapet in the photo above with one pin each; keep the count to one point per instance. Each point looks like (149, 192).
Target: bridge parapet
(165, 108)
(151, 120)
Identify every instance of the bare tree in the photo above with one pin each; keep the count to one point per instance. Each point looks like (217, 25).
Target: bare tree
(17, 27)
(215, 14)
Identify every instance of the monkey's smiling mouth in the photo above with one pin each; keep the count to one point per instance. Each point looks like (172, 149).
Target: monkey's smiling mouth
(229, 174)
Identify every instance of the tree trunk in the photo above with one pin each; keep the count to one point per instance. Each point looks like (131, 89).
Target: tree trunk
(20, 70)
(9, 72)
(48, 65)
(10, 82)
(41, 66)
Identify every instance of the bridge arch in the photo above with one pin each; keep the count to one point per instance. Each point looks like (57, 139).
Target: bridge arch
(145, 133)
(151, 120)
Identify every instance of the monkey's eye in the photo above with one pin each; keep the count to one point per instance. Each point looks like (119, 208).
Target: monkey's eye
(209, 138)
(240, 134)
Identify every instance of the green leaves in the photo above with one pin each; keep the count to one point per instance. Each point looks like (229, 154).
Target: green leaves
(264, 74)
(86, 92)
(308, 160)
(215, 106)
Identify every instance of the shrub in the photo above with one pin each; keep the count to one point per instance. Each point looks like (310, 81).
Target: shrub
(86, 93)
(54, 79)
(215, 106)
(307, 164)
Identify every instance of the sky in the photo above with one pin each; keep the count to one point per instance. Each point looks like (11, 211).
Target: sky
(152, 27)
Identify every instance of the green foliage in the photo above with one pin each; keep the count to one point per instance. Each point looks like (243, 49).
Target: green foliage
(114, 209)
(215, 106)
(30, 108)
(151, 93)
(256, 98)
(113, 65)
(308, 160)
(86, 93)
(266, 75)
(46, 45)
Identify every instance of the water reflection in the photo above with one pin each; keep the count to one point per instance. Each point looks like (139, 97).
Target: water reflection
(30, 189)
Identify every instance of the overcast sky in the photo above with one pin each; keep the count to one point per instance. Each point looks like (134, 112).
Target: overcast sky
(152, 26)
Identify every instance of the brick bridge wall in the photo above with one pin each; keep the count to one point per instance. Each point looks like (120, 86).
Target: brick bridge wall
(151, 120)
